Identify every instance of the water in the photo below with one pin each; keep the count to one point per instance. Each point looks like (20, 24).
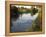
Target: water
(23, 23)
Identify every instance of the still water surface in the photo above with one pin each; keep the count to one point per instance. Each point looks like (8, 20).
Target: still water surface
(23, 23)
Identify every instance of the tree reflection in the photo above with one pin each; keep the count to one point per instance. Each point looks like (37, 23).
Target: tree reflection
(23, 16)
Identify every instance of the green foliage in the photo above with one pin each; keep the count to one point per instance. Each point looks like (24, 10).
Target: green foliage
(34, 11)
(21, 12)
(37, 24)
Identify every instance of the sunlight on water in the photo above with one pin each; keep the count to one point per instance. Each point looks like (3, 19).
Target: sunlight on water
(23, 22)
(28, 16)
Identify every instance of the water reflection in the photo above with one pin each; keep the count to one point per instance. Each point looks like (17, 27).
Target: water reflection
(23, 23)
